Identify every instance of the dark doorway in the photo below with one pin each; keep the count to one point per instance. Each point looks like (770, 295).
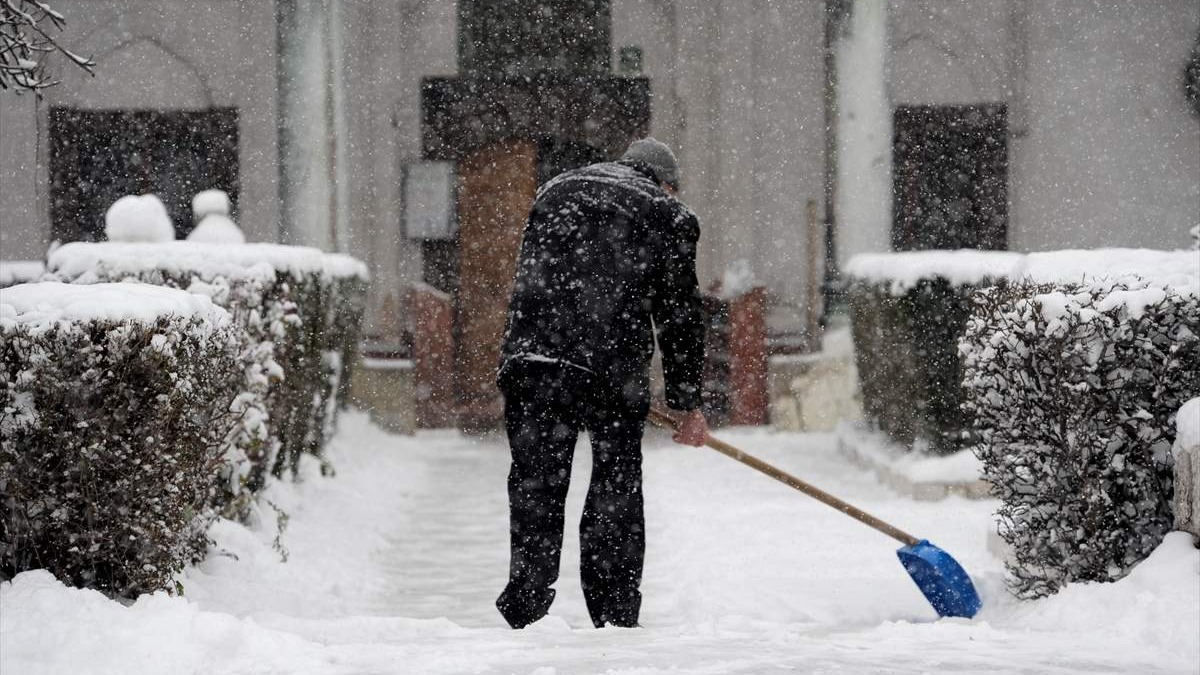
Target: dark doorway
(98, 156)
(950, 177)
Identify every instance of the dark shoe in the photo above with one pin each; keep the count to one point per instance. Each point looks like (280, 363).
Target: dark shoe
(618, 609)
(619, 617)
(523, 607)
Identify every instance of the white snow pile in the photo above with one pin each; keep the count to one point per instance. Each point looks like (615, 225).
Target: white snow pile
(209, 202)
(210, 210)
(1187, 424)
(738, 279)
(1155, 605)
(138, 218)
(78, 261)
(916, 465)
(217, 228)
(41, 306)
(14, 272)
(342, 266)
(903, 270)
(906, 269)
(1179, 270)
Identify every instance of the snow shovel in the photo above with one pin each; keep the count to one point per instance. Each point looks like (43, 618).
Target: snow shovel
(941, 579)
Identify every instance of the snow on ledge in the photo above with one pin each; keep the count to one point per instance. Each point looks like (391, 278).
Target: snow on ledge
(374, 363)
(1179, 270)
(914, 473)
(78, 261)
(342, 266)
(20, 271)
(42, 306)
(905, 269)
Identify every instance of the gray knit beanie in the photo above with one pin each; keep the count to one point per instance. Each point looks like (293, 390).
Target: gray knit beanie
(656, 155)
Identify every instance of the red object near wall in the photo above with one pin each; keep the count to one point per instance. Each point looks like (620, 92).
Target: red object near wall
(433, 356)
(748, 400)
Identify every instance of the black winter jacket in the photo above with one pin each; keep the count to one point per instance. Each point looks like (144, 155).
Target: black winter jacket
(605, 252)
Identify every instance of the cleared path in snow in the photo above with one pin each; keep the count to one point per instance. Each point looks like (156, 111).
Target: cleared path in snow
(723, 540)
(395, 563)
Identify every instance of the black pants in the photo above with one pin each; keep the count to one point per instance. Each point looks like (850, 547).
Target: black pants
(546, 405)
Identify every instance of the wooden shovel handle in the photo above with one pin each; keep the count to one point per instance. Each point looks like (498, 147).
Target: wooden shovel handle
(664, 419)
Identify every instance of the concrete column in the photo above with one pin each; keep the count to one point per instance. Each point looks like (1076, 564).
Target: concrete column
(1186, 503)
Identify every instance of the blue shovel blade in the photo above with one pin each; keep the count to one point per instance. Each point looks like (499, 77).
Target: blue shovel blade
(944, 582)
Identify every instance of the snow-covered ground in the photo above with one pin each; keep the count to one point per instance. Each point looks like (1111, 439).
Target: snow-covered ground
(394, 564)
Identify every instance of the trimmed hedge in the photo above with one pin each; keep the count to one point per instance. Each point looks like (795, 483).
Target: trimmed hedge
(119, 437)
(301, 307)
(124, 437)
(906, 350)
(910, 308)
(1073, 390)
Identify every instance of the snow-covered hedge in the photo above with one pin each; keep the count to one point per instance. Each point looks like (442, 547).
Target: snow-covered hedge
(121, 408)
(301, 307)
(1073, 390)
(909, 310)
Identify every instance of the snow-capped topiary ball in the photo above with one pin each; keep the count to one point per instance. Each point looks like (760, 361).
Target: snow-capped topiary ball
(208, 202)
(217, 229)
(138, 218)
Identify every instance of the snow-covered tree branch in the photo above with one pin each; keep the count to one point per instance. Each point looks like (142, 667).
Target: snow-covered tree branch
(26, 41)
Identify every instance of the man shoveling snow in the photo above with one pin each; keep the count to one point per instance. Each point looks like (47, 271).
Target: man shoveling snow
(608, 259)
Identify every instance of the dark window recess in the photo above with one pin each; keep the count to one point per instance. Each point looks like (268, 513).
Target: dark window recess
(98, 156)
(950, 177)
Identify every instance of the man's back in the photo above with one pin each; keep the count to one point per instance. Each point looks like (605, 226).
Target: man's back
(606, 251)
(608, 256)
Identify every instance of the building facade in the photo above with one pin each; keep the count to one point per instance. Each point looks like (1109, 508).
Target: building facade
(1102, 146)
(792, 119)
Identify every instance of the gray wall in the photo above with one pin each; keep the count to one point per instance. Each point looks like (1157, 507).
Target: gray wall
(738, 91)
(1103, 150)
(165, 54)
(1111, 156)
